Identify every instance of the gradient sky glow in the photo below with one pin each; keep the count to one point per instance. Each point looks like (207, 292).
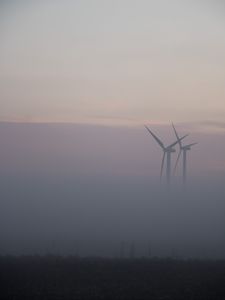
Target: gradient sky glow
(112, 62)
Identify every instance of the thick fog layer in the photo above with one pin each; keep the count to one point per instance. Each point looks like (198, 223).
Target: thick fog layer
(85, 190)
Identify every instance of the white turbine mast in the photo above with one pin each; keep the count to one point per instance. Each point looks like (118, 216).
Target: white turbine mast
(183, 150)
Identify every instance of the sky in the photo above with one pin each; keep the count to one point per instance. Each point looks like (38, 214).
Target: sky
(112, 62)
(78, 81)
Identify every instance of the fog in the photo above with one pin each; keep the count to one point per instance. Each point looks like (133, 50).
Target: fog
(88, 190)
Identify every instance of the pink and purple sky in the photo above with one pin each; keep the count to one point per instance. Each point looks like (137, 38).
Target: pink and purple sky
(117, 63)
(112, 62)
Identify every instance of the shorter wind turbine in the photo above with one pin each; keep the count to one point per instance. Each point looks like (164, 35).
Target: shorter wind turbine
(166, 152)
(184, 150)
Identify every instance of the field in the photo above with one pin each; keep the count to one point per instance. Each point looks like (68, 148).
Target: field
(97, 278)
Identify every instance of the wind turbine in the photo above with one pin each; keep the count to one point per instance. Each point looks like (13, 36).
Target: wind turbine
(184, 150)
(166, 152)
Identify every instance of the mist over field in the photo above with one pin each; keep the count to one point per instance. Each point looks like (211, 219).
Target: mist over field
(87, 190)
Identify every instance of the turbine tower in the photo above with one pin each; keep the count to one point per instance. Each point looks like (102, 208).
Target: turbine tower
(184, 150)
(166, 152)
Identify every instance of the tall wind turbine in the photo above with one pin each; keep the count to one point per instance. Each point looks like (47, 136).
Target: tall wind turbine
(184, 150)
(166, 152)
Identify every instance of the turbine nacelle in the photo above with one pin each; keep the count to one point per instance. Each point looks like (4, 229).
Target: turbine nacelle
(188, 147)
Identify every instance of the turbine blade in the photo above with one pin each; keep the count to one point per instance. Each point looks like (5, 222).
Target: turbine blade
(162, 164)
(173, 144)
(177, 136)
(178, 157)
(156, 138)
(190, 145)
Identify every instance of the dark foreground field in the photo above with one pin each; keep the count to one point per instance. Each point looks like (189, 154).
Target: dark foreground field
(73, 278)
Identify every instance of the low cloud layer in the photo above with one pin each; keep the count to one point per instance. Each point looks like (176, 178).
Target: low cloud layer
(74, 188)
